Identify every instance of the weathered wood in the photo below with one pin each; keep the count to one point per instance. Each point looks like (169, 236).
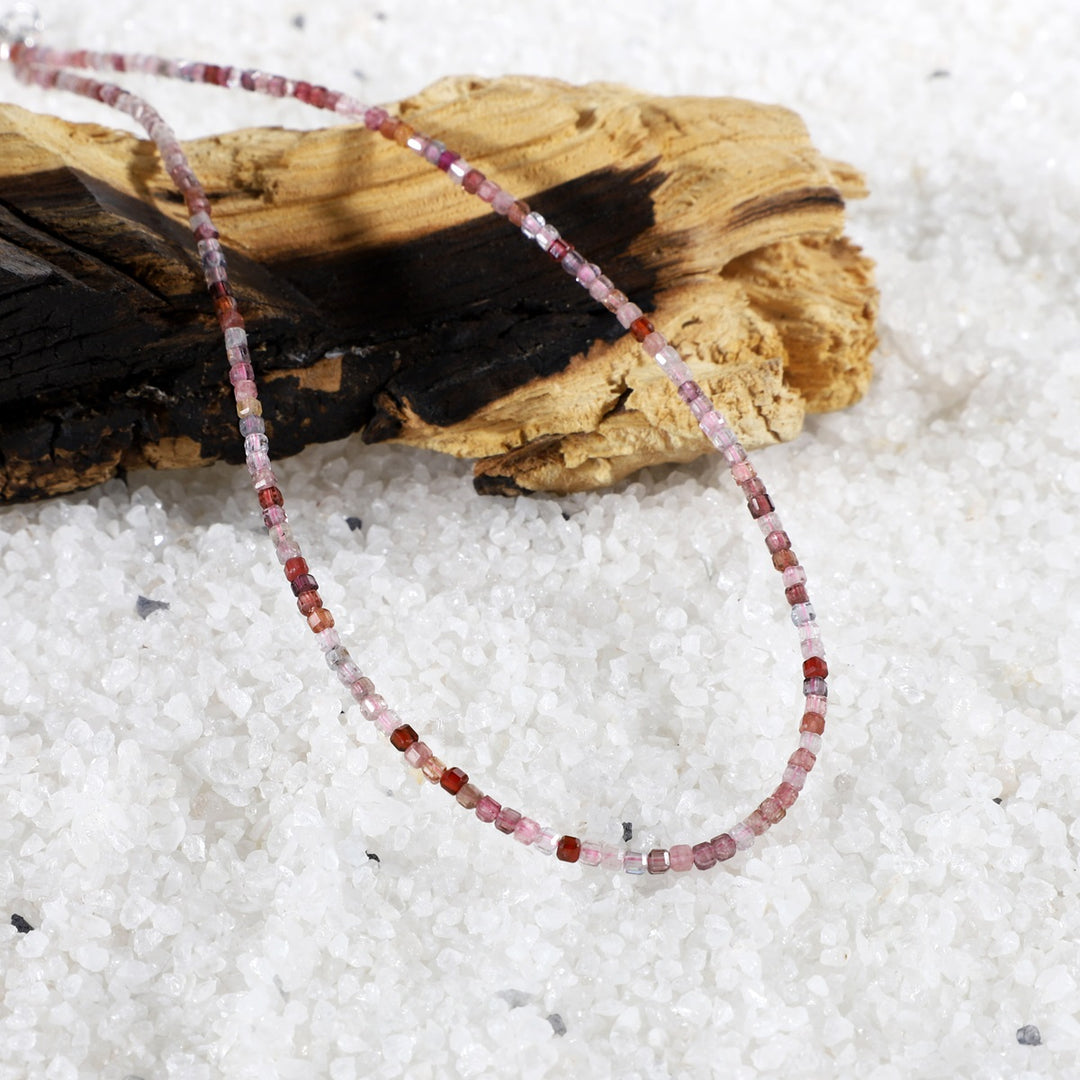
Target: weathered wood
(380, 299)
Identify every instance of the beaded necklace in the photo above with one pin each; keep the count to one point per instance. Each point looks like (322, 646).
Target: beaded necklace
(55, 68)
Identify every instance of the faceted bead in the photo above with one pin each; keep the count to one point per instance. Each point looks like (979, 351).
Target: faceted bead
(546, 237)
(794, 575)
(249, 425)
(270, 496)
(600, 287)
(657, 861)
(771, 810)
(742, 472)
(546, 842)
(756, 822)
(627, 314)
(568, 849)
(753, 486)
(802, 759)
(587, 274)
(517, 213)
(506, 820)
(801, 614)
(274, 515)
(795, 777)
(453, 780)
(689, 391)
(815, 688)
(633, 862)
(796, 594)
(783, 559)
(328, 639)
(816, 703)
(743, 835)
(433, 769)
(294, 567)
(473, 179)
(769, 523)
(759, 506)
(723, 846)
(558, 249)
(417, 754)
(361, 688)
(526, 831)
(572, 261)
(813, 723)
(641, 328)
(469, 796)
(446, 159)
(681, 857)
(371, 705)
(614, 300)
(402, 738)
(591, 853)
(814, 667)
(809, 741)
(308, 602)
(777, 541)
(653, 342)
(502, 201)
(320, 619)
(303, 583)
(387, 721)
(786, 796)
(487, 190)
(487, 809)
(611, 857)
(532, 224)
(704, 858)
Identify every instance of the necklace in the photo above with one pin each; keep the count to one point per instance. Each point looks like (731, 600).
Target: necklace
(54, 68)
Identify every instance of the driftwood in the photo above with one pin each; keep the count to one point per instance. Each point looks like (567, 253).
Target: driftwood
(380, 299)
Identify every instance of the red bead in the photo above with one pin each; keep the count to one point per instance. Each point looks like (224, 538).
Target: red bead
(271, 496)
(641, 328)
(303, 583)
(295, 567)
(814, 667)
(402, 738)
(568, 849)
(812, 722)
(558, 249)
(388, 128)
(446, 159)
(453, 780)
(302, 91)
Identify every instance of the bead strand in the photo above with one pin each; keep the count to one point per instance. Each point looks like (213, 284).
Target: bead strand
(43, 67)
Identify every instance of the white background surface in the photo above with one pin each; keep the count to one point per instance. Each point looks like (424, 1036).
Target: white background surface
(185, 817)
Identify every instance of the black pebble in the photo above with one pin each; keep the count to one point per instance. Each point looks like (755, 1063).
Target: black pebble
(558, 1025)
(627, 831)
(21, 924)
(1028, 1035)
(565, 516)
(144, 606)
(354, 523)
(371, 855)
(998, 801)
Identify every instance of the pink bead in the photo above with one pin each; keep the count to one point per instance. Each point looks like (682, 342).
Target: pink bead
(587, 274)
(387, 721)
(743, 836)
(601, 288)
(802, 759)
(681, 857)
(794, 575)
(809, 741)
(526, 831)
(611, 857)
(654, 342)
(487, 809)
(546, 842)
(756, 822)
(795, 777)
(633, 862)
(487, 190)
(816, 703)
(591, 853)
(786, 796)
(417, 754)
(502, 202)
(433, 769)
(627, 313)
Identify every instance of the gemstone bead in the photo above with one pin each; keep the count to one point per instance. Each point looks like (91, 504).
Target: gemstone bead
(680, 857)
(469, 796)
(403, 737)
(487, 809)
(526, 831)
(743, 836)
(657, 861)
(814, 667)
(633, 862)
(591, 853)
(704, 858)
(417, 754)
(723, 846)
(453, 780)
(546, 842)
(433, 769)
(786, 796)
(506, 821)
(568, 849)
(812, 722)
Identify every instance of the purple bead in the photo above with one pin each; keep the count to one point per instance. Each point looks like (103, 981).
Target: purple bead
(723, 846)
(506, 820)
(487, 809)
(657, 862)
(703, 856)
